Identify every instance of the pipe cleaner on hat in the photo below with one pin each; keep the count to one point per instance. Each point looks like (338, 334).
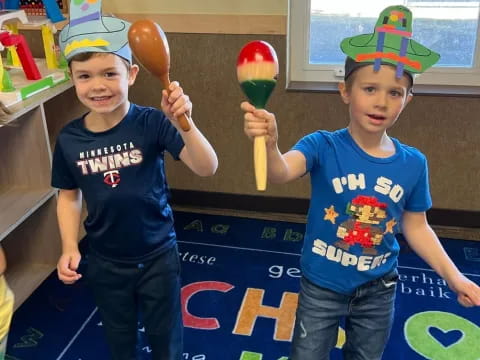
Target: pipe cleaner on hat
(390, 43)
(89, 31)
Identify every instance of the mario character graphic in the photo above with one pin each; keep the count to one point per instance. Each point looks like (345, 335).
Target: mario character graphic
(362, 228)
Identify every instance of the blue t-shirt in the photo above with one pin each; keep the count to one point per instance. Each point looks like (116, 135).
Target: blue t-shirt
(122, 178)
(356, 207)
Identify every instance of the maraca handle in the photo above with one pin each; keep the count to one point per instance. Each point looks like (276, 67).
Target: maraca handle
(182, 119)
(184, 122)
(260, 162)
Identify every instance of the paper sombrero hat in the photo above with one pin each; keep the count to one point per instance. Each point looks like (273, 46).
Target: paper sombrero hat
(89, 31)
(391, 43)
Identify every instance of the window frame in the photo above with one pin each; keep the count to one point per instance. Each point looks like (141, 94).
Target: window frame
(308, 77)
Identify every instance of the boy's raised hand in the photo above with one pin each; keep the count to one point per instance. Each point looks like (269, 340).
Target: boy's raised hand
(175, 103)
(258, 122)
(67, 267)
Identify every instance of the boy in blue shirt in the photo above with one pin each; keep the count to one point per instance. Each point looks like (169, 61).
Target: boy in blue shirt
(366, 187)
(113, 158)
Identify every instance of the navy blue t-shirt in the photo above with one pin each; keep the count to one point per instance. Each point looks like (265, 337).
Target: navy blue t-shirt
(122, 178)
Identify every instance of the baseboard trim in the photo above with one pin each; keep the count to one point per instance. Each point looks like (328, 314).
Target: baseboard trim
(440, 217)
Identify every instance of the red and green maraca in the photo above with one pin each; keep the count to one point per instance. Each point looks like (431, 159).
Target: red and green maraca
(257, 71)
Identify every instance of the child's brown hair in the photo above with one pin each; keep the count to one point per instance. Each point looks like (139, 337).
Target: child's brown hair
(88, 55)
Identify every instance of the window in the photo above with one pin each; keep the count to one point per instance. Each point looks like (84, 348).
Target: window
(451, 28)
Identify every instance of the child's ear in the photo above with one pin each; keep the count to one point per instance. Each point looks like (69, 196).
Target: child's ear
(132, 75)
(409, 97)
(344, 92)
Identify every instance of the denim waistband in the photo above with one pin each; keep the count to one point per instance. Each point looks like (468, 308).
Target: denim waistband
(390, 276)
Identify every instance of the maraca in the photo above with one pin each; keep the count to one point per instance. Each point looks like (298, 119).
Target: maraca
(150, 46)
(257, 71)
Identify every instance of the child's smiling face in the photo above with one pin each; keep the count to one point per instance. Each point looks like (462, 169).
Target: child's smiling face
(102, 82)
(376, 98)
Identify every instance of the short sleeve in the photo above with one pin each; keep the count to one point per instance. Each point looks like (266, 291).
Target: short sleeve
(62, 177)
(311, 146)
(169, 137)
(420, 198)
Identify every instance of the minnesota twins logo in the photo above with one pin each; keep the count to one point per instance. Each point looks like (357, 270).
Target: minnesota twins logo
(111, 178)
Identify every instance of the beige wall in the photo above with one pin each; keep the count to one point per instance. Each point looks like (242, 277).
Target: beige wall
(446, 129)
(244, 7)
(207, 16)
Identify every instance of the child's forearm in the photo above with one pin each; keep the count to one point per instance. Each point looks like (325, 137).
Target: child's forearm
(69, 208)
(283, 168)
(277, 167)
(201, 156)
(425, 243)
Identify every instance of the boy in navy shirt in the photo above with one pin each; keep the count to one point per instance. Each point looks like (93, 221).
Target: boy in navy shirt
(113, 158)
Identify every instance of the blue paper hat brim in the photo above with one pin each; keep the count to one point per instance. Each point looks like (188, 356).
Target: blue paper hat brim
(106, 35)
(351, 65)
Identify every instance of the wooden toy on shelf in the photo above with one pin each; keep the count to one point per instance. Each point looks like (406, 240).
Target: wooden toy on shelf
(33, 75)
(12, 55)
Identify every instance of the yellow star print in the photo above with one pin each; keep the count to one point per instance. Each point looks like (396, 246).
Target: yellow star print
(330, 214)
(390, 225)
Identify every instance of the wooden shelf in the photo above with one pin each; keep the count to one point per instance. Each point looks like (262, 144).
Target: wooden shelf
(34, 101)
(17, 204)
(29, 230)
(60, 109)
(25, 278)
(32, 250)
(37, 21)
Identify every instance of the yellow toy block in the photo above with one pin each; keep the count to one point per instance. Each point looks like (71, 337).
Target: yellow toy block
(49, 46)
(13, 28)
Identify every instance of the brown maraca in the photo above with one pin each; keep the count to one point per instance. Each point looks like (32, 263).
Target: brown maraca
(150, 46)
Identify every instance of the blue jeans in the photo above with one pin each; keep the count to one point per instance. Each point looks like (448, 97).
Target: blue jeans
(153, 288)
(368, 315)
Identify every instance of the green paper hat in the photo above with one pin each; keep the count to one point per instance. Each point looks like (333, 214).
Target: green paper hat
(89, 31)
(391, 43)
